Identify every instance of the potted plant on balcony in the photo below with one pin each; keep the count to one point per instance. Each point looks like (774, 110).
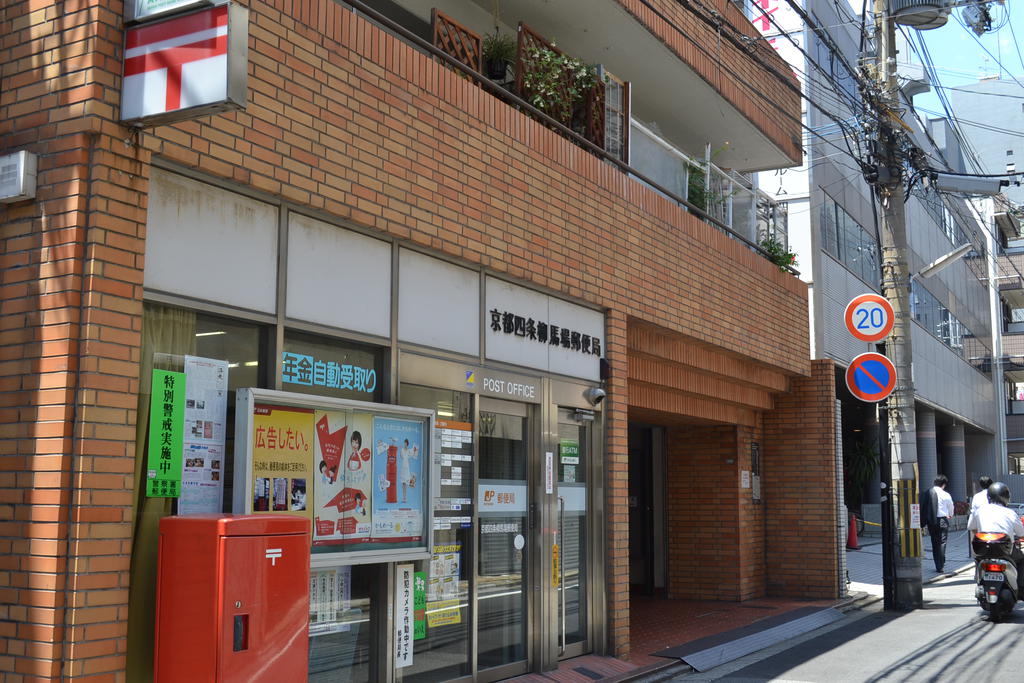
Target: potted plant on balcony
(558, 85)
(499, 51)
(777, 252)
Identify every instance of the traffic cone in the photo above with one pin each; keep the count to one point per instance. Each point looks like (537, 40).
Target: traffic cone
(851, 537)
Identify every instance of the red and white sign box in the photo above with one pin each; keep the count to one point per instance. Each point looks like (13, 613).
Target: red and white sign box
(187, 66)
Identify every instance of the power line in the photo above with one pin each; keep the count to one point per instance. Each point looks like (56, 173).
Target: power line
(746, 47)
(979, 93)
(1013, 33)
(978, 41)
(965, 144)
(983, 126)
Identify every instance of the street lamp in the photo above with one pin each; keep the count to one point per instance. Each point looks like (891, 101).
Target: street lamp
(943, 261)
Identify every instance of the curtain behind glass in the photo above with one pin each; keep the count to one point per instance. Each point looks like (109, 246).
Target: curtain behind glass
(167, 335)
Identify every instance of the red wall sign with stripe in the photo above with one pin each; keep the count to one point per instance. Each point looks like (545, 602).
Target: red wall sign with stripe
(177, 64)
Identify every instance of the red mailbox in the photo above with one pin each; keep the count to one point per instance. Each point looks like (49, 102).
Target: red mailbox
(232, 599)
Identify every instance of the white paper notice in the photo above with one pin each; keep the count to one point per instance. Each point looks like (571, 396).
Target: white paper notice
(549, 472)
(403, 615)
(206, 408)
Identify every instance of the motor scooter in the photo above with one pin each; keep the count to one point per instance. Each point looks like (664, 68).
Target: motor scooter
(995, 574)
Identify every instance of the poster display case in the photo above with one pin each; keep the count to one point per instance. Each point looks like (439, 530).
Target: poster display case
(362, 473)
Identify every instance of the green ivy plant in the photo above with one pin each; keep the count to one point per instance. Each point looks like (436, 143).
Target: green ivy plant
(777, 252)
(696, 192)
(556, 83)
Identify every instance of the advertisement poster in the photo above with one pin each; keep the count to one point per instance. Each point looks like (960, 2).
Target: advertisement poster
(443, 585)
(206, 409)
(419, 605)
(359, 473)
(282, 458)
(397, 479)
(343, 479)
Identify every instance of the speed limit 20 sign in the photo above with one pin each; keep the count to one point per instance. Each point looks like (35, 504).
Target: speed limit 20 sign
(869, 317)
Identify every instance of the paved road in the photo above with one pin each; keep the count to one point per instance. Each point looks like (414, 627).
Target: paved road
(947, 640)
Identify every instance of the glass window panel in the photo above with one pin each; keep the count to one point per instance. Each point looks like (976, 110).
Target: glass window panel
(828, 227)
(340, 623)
(850, 250)
(572, 493)
(330, 367)
(867, 260)
(441, 648)
(502, 563)
(652, 158)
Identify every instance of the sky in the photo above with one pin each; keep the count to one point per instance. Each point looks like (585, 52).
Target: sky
(960, 56)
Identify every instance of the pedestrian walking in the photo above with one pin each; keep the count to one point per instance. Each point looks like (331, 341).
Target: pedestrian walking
(936, 511)
(980, 498)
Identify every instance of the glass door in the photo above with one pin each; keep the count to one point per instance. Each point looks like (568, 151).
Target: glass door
(573, 534)
(503, 502)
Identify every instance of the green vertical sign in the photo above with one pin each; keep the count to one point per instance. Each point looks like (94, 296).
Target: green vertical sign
(419, 605)
(166, 428)
(569, 451)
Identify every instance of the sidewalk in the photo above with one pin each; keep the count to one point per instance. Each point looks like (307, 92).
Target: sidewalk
(864, 566)
(658, 623)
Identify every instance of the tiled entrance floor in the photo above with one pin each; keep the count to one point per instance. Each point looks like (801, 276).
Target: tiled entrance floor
(657, 623)
(586, 669)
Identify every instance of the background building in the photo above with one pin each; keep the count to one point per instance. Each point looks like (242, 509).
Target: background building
(833, 228)
(989, 112)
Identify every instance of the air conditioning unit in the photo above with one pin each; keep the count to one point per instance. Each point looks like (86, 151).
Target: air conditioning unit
(17, 177)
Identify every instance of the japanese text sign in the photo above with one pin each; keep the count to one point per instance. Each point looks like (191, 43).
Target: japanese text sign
(404, 615)
(166, 427)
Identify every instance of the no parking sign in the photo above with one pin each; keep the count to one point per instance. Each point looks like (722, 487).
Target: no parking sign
(871, 377)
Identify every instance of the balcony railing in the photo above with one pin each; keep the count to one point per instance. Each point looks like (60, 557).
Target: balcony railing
(726, 196)
(717, 181)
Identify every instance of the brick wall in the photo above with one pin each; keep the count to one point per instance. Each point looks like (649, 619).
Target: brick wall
(616, 482)
(751, 519)
(348, 119)
(711, 517)
(343, 119)
(71, 297)
(800, 488)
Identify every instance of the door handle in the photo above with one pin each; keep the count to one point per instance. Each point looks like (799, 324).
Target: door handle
(561, 575)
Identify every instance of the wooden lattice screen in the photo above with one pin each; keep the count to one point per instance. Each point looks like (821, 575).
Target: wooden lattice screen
(587, 120)
(457, 40)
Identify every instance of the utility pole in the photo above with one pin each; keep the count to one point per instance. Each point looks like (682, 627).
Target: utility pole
(903, 533)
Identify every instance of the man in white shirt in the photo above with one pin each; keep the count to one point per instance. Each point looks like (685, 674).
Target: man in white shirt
(936, 511)
(981, 497)
(995, 517)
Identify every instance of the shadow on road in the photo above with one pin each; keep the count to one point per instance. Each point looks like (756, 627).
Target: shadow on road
(950, 655)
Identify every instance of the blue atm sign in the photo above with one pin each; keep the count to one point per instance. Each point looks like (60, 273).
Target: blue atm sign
(871, 377)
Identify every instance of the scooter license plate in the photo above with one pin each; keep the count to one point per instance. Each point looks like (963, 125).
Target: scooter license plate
(991, 576)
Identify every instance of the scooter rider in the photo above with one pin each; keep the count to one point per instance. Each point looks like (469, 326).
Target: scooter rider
(996, 517)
